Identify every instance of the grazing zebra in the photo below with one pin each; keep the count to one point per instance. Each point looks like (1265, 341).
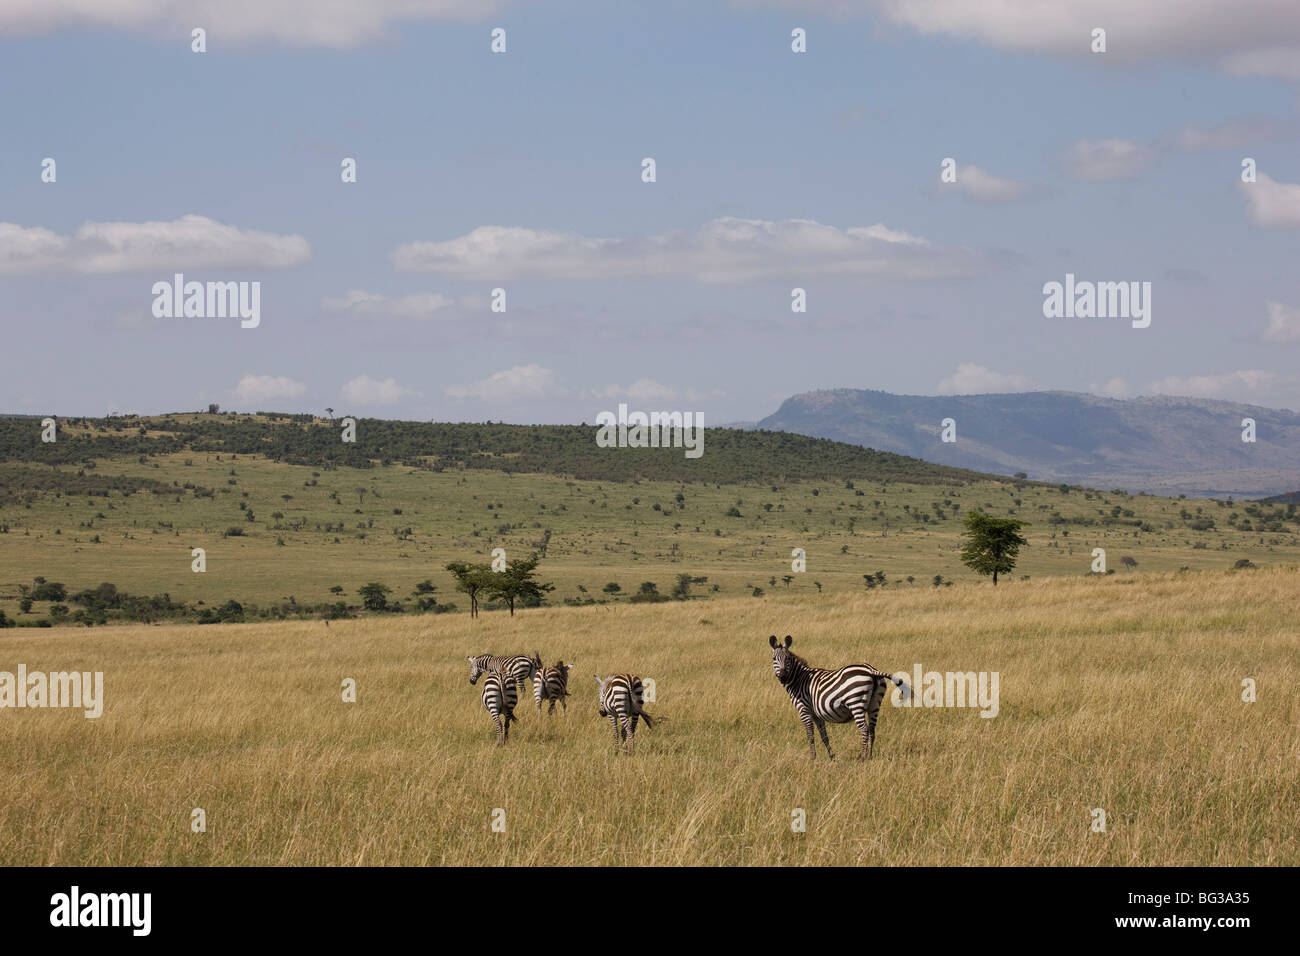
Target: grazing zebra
(853, 692)
(499, 699)
(622, 700)
(519, 666)
(552, 683)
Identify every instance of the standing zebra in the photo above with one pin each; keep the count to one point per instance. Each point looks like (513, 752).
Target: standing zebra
(552, 683)
(622, 700)
(499, 699)
(520, 667)
(853, 692)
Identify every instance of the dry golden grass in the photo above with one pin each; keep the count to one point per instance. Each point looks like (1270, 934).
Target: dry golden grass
(1120, 694)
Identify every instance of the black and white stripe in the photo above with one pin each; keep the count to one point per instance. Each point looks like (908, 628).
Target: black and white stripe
(853, 692)
(519, 667)
(499, 700)
(622, 700)
(552, 683)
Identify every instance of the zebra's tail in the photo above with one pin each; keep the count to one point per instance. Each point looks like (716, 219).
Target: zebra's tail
(903, 688)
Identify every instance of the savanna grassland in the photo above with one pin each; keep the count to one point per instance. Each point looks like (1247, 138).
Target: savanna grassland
(1116, 693)
(1120, 692)
(280, 535)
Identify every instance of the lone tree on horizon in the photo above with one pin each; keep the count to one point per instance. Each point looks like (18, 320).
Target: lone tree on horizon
(992, 544)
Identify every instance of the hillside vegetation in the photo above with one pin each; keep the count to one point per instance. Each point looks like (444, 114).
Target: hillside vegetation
(287, 540)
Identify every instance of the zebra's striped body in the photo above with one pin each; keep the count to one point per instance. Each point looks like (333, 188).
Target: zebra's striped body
(851, 693)
(499, 699)
(622, 700)
(552, 683)
(519, 667)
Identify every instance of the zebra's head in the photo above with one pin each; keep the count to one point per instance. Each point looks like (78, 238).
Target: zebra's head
(782, 658)
(477, 667)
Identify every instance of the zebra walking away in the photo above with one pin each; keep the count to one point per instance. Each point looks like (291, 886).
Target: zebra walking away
(853, 692)
(499, 700)
(622, 700)
(552, 683)
(519, 667)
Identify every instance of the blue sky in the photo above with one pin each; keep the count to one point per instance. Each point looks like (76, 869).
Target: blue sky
(1122, 166)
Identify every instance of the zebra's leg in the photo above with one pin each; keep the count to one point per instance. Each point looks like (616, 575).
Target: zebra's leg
(618, 736)
(631, 733)
(552, 710)
(812, 741)
(821, 726)
(867, 732)
(496, 722)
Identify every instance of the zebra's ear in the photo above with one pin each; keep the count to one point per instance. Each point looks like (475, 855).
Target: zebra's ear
(772, 640)
(471, 660)
(568, 667)
(788, 640)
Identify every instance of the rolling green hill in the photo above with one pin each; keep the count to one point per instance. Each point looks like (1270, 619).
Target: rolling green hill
(124, 502)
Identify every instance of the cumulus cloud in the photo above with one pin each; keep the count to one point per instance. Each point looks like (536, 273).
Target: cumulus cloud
(1249, 37)
(105, 248)
(417, 305)
(1107, 159)
(1112, 388)
(982, 186)
(1271, 204)
(1241, 383)
(645, 390)
(973, 379)
(723, 250)
(1283, 323)
(522, 381)
(326, 23)
(259, 389)
(1233, 133)
(364, 390)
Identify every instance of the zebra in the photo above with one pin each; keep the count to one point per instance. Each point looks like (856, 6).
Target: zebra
(518, 666)
(499, 699)
(853, 692)
(622, 700)
(552, 683)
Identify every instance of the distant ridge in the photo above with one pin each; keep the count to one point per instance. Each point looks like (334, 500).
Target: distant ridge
(1161, 444)
(730, 455)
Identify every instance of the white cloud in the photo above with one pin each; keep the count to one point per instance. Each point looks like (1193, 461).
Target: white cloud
(1283, 323)
(327, 23)
(983, 186)
(973, 379)
(723, 250)
(364, 390)
(104, 248)
(522, 381)
(645, 390)
(1107, 159)
(1233, 133)
(1112, 388)
(1251, 37)
(1242, 383)
(1270, 203)
(417, 305)
(259, 389)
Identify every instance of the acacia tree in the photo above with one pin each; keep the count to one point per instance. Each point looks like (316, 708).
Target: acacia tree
(992, 544)
(473, 580)
(516, 583)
